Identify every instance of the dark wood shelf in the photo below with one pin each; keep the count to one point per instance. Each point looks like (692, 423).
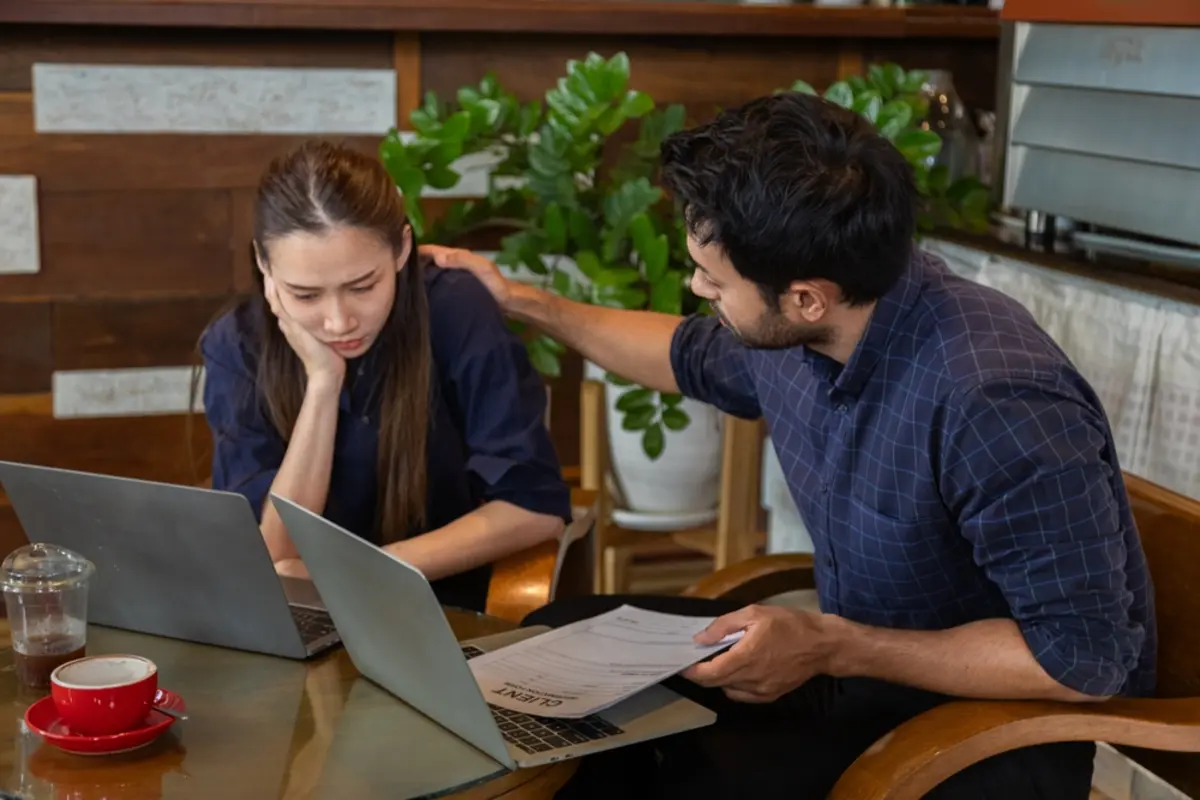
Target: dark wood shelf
(625, 17)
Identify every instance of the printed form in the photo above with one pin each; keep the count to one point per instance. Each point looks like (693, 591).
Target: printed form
(587, 666)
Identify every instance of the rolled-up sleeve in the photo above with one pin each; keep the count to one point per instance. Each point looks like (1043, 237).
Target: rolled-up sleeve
(247, 451)
(499, 398)
(710, 365)
(1027, 469)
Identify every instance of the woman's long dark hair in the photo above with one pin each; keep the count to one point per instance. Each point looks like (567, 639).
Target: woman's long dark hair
(313, 189)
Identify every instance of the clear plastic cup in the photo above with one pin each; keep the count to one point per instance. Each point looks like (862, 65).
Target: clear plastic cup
(45, 592)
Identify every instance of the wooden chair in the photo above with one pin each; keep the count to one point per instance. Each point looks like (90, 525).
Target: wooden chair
(1161, 733)
(528, 580)
(736, 535)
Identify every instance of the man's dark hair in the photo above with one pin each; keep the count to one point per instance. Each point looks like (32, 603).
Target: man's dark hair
(793, 187)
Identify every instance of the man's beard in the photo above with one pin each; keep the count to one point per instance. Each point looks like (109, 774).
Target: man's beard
(773, 331)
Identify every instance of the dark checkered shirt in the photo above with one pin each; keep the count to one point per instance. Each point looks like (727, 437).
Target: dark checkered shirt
(957, 468)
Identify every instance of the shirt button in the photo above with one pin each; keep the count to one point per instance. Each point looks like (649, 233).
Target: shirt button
(829, 562)
(842, 408)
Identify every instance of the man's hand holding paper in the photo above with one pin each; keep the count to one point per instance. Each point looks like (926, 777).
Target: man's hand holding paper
(779, 650)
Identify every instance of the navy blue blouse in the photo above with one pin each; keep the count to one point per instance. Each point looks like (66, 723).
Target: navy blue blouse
(487, 436)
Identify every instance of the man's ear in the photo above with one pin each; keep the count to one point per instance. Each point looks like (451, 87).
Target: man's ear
(807, 301)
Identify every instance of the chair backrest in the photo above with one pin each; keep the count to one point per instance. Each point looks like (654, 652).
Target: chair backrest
(1169, 524)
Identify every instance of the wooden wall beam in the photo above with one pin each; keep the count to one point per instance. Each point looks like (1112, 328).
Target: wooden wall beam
(407, 61)
(639, 18)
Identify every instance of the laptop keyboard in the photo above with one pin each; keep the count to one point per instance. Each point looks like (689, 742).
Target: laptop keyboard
(540, 734)
(312, 623)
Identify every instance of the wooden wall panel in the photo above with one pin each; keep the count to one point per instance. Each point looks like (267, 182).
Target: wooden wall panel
(25, 354)
(21, 47)
(701, 73)
(128, 334)
(11, 534)
(150, 447)
(16, 114)
(86, 163)
(129, 243)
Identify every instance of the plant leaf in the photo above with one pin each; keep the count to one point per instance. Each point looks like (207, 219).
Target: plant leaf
(637, 397)
(589, 264)
(542, 357)
(442, 177)
(562, 284)
(913, 81)
(918, 145)
(637, 104)
(555, 226)
(675, 419)
(617, 276)
(868, 104)
(894, 117)
(803, 87)
(617, 380)
(841, 94)
(666, 296)
(639, 418)
(582, 230)
(653, 441)
(616, 297)
(895, 77)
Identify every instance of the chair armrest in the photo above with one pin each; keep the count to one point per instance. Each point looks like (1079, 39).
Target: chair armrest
(920, 754)
(757, 578)
(527, 580)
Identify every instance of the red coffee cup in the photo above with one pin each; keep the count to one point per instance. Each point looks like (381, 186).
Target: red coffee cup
(103, 695)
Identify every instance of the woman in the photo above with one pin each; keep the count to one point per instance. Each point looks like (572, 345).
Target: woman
(385, 394)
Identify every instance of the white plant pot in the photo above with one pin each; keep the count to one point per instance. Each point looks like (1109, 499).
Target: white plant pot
(685, 479)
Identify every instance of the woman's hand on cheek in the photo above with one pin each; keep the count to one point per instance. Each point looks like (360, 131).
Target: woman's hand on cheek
(321, 362)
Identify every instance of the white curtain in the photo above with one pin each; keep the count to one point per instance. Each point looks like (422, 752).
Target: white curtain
(1140, 352)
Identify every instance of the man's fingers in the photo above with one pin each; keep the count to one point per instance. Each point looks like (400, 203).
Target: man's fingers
(743, 696)
(444, 256)
(720, 670)
(722, 626)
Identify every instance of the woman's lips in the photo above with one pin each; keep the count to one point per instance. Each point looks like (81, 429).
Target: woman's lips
(348, 346)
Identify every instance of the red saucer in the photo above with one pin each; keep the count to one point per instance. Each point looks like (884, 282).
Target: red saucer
(43, 719)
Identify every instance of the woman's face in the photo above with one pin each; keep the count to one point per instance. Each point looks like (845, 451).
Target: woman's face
(338, 285)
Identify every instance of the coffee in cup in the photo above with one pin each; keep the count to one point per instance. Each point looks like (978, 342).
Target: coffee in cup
(103, 695)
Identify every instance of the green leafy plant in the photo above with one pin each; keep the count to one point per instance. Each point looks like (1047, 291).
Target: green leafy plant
(590, 223)
(890, 98)
(590, 227)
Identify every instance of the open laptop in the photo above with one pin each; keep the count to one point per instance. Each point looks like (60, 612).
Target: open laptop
(397, 636)
(178, 561)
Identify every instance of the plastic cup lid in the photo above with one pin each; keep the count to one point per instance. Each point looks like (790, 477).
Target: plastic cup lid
(41, 567)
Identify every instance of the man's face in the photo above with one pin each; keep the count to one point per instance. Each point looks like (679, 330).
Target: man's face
(792, 320)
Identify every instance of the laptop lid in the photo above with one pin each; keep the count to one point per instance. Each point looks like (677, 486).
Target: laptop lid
(171, 560)
(393, 627)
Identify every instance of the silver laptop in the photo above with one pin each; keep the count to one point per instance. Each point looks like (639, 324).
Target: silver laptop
(397, 636)
(171, 560)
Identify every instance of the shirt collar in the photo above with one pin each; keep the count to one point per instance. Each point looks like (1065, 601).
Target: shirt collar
(890, 313)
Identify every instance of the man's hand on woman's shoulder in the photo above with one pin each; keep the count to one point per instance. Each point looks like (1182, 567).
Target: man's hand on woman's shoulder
(482, 268)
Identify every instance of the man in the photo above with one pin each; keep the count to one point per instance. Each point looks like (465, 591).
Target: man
(971, 529)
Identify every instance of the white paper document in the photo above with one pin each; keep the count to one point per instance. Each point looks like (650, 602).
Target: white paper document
(589, 665)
